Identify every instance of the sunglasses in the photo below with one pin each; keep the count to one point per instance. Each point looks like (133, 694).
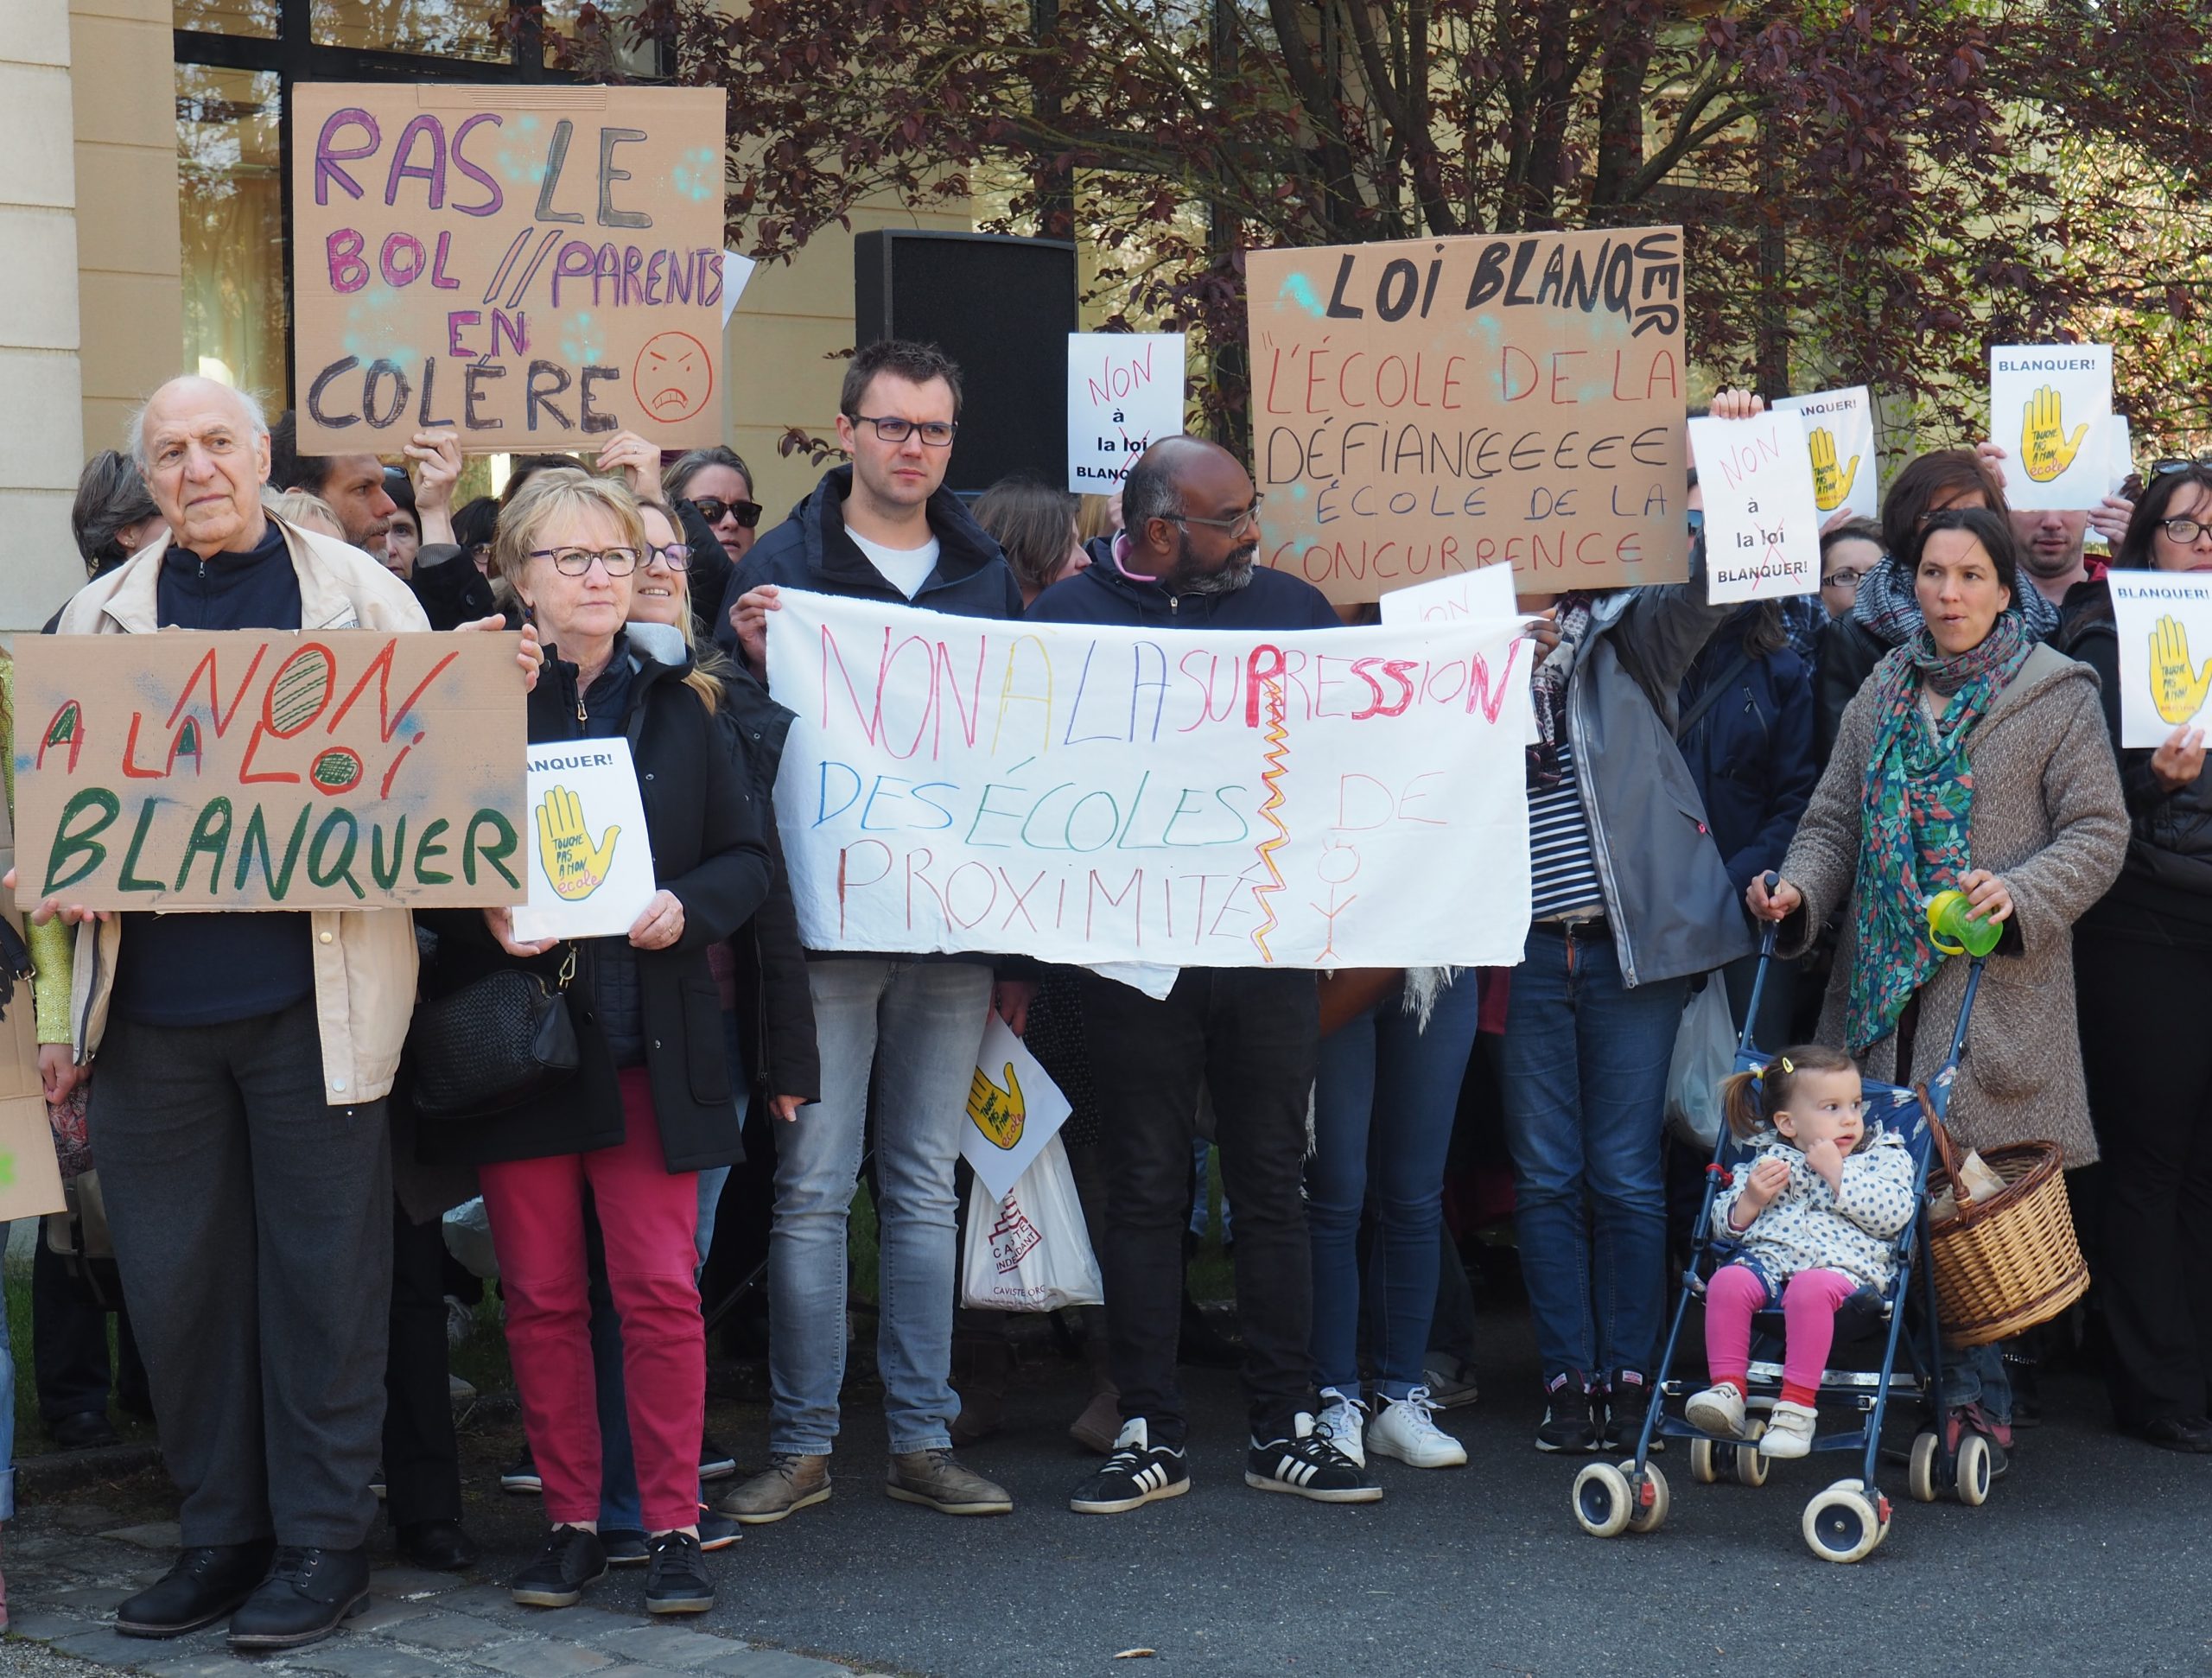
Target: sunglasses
(747, 513)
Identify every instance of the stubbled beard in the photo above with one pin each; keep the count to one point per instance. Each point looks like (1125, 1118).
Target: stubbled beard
(1233, 576)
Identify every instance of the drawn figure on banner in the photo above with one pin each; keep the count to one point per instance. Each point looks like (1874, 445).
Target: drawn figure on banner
(2045, 449)
(574, 866)
(673, 376)
(999, 1113)
(2178, 686)
(1831, 484)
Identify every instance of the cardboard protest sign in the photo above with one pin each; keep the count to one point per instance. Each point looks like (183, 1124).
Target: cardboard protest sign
(2049, 406)
(1762, 523)
(31, 1176)
(1423, 407)
(269, 769)
(1839, 438)
(2164, 620)
(1013, 1109)
(531, 266)
(1125, 393)
(1195, 797)
(591, 865)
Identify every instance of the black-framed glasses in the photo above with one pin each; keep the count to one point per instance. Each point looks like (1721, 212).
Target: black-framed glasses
(677, 556)
(713, 510)
(1843, 577)
(937, 434)
(2184, 530)
(574, 562)
(1233, 524)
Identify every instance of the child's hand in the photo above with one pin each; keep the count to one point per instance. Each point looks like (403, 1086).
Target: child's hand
(1826, 1158)
(1767, 1179)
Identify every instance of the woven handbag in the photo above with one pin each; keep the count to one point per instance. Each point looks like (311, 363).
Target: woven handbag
(493, 1043)
(2003, 1264)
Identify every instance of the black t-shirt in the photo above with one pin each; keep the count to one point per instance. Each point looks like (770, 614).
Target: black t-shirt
(207, 969)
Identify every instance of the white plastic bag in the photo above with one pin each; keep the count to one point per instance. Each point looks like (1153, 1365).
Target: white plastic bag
(1031, 1251)
(1705, 1053)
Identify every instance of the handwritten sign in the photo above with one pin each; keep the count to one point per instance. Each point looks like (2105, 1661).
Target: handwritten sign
(1761, 524)
(1125, 393)
(2164, 621)
(1207, 799)
(1013, 1109)
(1484, 594)
(1839, 438)
(533, 267)
(2050, 407)
(591, 865)
(263, 769)
(31, 1174)
(1422, 407)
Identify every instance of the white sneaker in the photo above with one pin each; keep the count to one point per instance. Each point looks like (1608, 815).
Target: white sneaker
(1407, 1430)
(1789, 1432)
(1717, 1410)
(1343, 1423)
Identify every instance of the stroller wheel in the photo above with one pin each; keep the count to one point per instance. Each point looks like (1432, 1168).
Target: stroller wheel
(1651, 1501)
(1920, 1472)
(1704, 1468)
(1843, 1523)
(1973, 1485)
(1603, 1501)
(1751, 1467)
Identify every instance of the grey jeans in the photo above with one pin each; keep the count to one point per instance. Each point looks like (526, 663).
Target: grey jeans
(252, 1223)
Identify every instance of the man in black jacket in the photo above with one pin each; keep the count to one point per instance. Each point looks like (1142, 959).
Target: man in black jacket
(884, 528)
(1188, 558)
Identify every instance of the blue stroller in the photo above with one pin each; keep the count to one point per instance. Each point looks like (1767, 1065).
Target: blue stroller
(1848, 1520)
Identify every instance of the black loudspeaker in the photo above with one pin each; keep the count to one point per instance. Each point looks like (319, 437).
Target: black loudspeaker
(1003, 308)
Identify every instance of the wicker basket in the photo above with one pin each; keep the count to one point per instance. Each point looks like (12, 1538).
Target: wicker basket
(2003, 1264)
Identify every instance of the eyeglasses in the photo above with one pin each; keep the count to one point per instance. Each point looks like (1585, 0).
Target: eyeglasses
(676, 556)
(2184, 530)
(937, 434)
(1233, 524)
(747, 513)
(574, 562)
(1844, 578)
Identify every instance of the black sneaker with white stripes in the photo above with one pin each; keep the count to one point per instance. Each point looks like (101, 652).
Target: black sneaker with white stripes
(1305, 1465)
(1139, 1472)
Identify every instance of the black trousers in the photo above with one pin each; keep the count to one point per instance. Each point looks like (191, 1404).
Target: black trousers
(422, 1461)
(69, 1355)
(1249, 1036)
(2148, 1059)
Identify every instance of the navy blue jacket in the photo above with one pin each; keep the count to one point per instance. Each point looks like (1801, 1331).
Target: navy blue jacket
(1751, 752)
(1105, 595)
(810, 550)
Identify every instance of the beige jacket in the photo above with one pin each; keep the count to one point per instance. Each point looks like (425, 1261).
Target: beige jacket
(364, 959)
(2048, 816)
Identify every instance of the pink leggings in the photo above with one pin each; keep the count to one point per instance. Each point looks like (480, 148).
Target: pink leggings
(1809, 1307)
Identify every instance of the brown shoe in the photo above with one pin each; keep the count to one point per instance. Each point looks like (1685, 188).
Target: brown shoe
(932, 1477)
(1097, 1428)
(788, 1483)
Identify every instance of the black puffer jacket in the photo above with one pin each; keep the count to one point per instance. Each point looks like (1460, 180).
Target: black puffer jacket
(2167, 873)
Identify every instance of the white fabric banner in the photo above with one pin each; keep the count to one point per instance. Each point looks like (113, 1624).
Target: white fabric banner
(1323, 799)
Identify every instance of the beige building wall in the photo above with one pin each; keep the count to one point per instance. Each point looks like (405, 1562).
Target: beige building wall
(41, 435)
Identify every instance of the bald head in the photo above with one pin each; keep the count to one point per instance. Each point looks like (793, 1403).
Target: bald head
(1192, 517)
(203, 448)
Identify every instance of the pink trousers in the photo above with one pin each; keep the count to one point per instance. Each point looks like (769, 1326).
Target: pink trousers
(1809, 1302)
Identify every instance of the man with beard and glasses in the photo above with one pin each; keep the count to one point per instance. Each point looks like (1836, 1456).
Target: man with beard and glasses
(1186, 558)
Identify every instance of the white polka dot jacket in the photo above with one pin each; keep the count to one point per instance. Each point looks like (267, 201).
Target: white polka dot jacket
(1810, 1227)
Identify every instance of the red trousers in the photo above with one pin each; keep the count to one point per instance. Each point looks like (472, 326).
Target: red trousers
(647, 1216)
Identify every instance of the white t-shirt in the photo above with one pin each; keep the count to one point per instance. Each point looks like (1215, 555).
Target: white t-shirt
(904, 568)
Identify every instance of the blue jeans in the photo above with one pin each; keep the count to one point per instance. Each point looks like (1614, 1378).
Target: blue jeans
(1583, 1072)
(1977, 1375)
(926, 1021)
(1383, 1102)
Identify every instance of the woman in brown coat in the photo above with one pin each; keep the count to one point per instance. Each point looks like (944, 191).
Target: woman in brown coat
(1970, 759)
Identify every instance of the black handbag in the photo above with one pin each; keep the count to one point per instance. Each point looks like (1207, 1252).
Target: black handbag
(493, 1043)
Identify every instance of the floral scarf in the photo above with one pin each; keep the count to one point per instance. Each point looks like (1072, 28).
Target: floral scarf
(1918, 799)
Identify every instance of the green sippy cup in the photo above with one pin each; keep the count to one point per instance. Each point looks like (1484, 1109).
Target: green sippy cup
(1955, 929)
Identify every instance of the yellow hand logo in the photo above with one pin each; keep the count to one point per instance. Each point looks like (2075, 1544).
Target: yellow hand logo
(2178, 687)
(2045, 449)
(575, 867)
(1831, 488)
(999, 1114)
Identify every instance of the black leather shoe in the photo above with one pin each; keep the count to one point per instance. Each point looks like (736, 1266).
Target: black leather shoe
(206, 1583)
(441, 1546)
(309, 1595)
(84, 1431)
(572, 1559)
(675, 1579)
(2188, 1433)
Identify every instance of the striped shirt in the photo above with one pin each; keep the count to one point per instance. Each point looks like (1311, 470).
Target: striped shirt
(1562, 873)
